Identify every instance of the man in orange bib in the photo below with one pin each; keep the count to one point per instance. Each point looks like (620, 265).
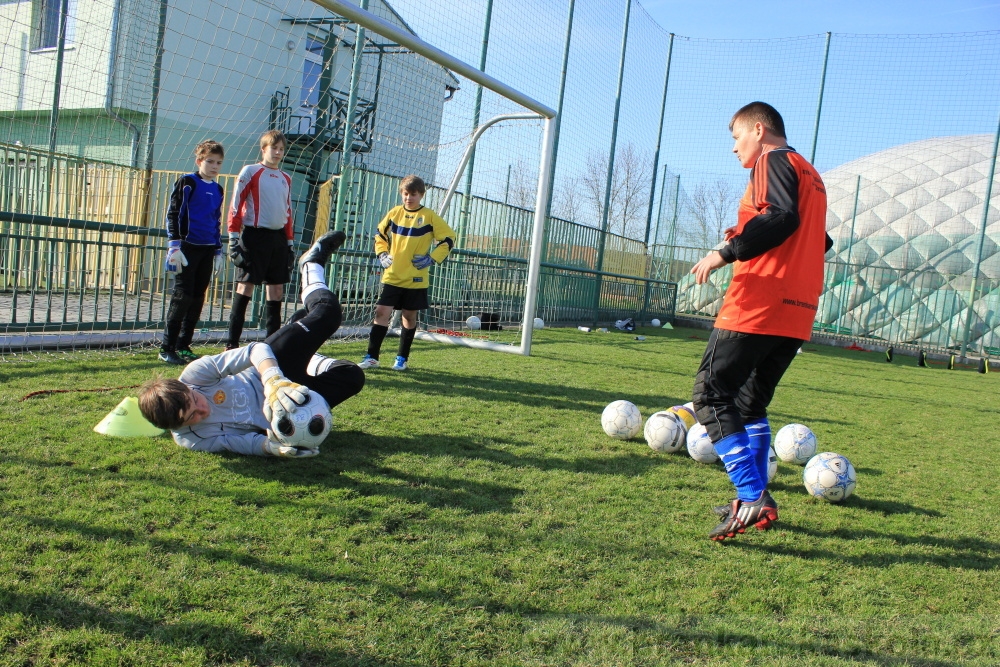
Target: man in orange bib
(776, 249)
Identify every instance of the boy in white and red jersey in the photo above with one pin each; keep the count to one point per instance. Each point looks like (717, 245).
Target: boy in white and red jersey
(261, 235)
(776, 249)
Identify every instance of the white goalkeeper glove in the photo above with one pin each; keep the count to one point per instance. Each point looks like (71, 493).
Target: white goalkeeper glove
(281, 395)
(275, 448)
(176, 261)
(217, 261)
(385, 259)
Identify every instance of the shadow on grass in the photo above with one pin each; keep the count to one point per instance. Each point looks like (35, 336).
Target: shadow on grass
(221, 643)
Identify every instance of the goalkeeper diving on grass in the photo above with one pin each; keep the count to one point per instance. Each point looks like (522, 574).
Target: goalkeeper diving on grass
(249, 400)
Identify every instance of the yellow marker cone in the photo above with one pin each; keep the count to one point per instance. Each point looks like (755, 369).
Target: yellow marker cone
(126, 421)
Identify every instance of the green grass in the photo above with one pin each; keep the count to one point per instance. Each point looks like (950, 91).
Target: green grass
(472, 512)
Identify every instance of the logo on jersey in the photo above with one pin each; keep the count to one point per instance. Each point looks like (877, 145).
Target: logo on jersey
(420, 221)
(219, 398)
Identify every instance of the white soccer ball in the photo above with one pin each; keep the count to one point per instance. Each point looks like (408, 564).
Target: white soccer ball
(795, 443)
(655, 322)
(305, 426)
(664, 433)
(685, 414)
(699, 445)
(539, 323)
(621, 419)
(830, 476)
(473, 322)
(772, 464)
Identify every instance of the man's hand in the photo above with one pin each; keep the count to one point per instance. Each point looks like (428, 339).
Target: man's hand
(385, 259)
(291, 260)
(176, 261)
(275, 448)
(217, 262)
(281, 396)
(422, 261)
(238, 253)
(729, 233)
(710, 262)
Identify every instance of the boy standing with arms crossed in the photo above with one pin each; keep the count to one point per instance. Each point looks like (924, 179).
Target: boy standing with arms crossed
(777, 249)
(194, 249)
(403, 246)
(261, 242)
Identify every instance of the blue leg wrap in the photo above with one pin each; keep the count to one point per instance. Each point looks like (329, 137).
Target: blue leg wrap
(736, 455)
(759, 431)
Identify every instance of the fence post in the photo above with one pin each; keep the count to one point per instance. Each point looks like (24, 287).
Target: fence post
(611, 165)
(345, 183)
(847, 262)
(659, 137)
(463, 220)
(819, 103)
(979, 244)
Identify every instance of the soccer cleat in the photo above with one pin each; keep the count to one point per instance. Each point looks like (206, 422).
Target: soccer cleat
(187, 355)
(760, 513)
(722, 511)
(400, 364)
(171, 357)
(325, 246)
(368, 362)
(231, 346)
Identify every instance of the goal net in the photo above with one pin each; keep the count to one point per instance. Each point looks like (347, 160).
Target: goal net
(102, 103)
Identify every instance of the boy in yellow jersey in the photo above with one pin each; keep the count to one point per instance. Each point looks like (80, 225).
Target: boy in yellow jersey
(409, 239)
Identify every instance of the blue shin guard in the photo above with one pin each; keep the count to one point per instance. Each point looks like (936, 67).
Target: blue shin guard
(759, 431)
(736, 455)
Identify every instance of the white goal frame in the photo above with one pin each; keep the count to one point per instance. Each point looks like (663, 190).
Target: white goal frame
(547, 114)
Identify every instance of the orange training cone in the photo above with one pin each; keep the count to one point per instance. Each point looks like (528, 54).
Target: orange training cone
(126, 421)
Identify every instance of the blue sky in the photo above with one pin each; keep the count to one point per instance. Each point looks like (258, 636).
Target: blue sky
(724, 19)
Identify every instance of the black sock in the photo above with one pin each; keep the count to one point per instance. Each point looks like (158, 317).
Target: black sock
(272, 316)
(405, 341)
(375, 339)
(236, 318)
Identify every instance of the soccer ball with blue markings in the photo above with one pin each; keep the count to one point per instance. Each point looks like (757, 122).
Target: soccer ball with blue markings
(795, 443)
(830, 476)
(664, 432)
(699, 445)
(621, 420)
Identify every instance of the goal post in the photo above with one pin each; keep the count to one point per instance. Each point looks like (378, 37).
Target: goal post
(386, 29)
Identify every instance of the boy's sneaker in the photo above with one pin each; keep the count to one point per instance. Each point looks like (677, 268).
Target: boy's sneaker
(400, 364)
(171, 357)
(325, 246)
(187, 355)
(231, 346)
(368, 362)
(760, 513)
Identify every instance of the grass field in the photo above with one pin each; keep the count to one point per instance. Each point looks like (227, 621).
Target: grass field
(472, 512)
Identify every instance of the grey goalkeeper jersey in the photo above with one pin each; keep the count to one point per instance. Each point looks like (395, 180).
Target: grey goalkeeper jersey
(235, 394)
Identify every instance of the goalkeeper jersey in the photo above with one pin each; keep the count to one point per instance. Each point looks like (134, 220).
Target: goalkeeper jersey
(236, 395)
(404, 235)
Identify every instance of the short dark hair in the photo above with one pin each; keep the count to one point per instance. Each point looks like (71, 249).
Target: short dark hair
(162, 402)
(763, 113)
(412, 183)
(208, 147)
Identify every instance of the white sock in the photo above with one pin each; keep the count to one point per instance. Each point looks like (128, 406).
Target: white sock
(313, 278)
(319, 365)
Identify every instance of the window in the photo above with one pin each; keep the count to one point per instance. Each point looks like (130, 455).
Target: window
(47, 14)
(312, 69)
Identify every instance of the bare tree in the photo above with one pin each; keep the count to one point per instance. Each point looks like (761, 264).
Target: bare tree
(566, 202)
(629, 189)
(713, 207)
(523, 186)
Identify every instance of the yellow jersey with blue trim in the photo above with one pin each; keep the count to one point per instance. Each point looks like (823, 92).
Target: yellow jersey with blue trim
(407, 234)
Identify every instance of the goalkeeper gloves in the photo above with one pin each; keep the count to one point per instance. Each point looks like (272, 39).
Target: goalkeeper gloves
(275, 448)
(291, 260)
(176, 261)
(385, 259)
(282, 396)
(422, 261)
(217, 261)
(238, 253)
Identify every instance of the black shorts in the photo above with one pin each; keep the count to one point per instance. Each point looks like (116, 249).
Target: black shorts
(267, 250)
(403, 298)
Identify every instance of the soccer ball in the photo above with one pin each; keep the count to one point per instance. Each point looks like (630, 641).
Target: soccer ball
(621, 420)
(655, 322)
(795, 443)
(685, 413)
(305, 426)
(664, 433)
(539, 323)
(830, 476)
(473, 323)
(700, 445)
(772, 464)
